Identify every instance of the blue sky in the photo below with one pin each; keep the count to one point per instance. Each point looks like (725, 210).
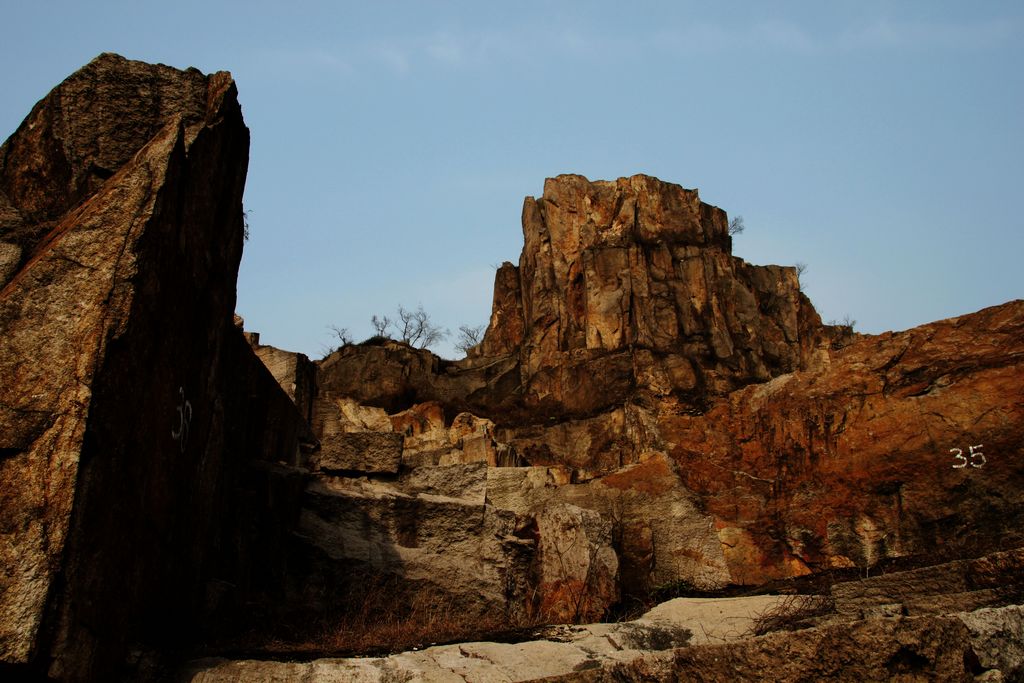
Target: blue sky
(880, 143)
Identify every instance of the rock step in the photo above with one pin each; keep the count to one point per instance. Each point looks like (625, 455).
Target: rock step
(953, 586)
(705, 640)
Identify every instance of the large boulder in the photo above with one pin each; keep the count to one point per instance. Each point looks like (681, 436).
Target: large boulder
(120, 430)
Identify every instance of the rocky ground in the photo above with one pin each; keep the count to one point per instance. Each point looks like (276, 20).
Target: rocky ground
(961, 621)
(647, 417)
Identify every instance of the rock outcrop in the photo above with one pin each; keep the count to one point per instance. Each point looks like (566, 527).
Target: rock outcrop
(628, 288)
(906, 444)
(647, 415)
(629, 336)
(642, 391)
(121, 417)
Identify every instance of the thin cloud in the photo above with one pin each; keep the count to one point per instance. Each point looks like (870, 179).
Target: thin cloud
(886, 34)
(704, 37)
(446, 48)
(392, 56)
(458, 48)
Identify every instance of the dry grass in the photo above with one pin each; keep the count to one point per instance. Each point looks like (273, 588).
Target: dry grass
(385, 624)
(794, 613)
(378, 615)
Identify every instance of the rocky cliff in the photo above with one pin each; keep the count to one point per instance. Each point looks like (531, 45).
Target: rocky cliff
(121, 419)
(647, 416)
(634, 355)
(629, 288)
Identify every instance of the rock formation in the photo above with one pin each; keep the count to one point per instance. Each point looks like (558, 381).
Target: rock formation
(646, 416)
(944, 623)
(629, 288)
(121, 417)
(632, 355)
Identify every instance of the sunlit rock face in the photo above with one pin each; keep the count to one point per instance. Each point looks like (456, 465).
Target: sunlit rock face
(628, 335)
(629, 287)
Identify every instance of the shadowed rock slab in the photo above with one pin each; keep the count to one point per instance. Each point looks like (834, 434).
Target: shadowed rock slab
(372, 452)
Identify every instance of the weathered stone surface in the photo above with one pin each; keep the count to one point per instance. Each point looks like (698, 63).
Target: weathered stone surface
(506, 328)
(578, 652)
(592, 446)
(340, 414)
(577, 568)
(122, 436)
(922, 648)
(851, 465)
(661, 534)
(426, 435)
(688, 421)
(627, 286)
(395, 376)
(81, 134)
(455, 548)
(435, 529)
(962, 585)
(392, 375)
(101, 293)
(997, 642)
(625, 290)
(10, 258)
(628, 331)
(375, 452)
(700, 639)
(294, 372)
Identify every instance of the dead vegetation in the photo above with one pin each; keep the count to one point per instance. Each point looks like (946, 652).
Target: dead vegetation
(794, 613)
(378, 615)
(381, 625)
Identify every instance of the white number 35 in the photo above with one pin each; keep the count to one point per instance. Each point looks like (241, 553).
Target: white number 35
(976, 459)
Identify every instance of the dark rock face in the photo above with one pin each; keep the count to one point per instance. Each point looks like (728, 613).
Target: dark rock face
(121, 196)
(371, 452)
(294, 372)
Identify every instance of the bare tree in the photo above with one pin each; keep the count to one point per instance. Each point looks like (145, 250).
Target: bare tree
(801, 268)
(415, 328)
(339, 337)
(412, 327)
(469, 337)
(736, 225)
(381, 326)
